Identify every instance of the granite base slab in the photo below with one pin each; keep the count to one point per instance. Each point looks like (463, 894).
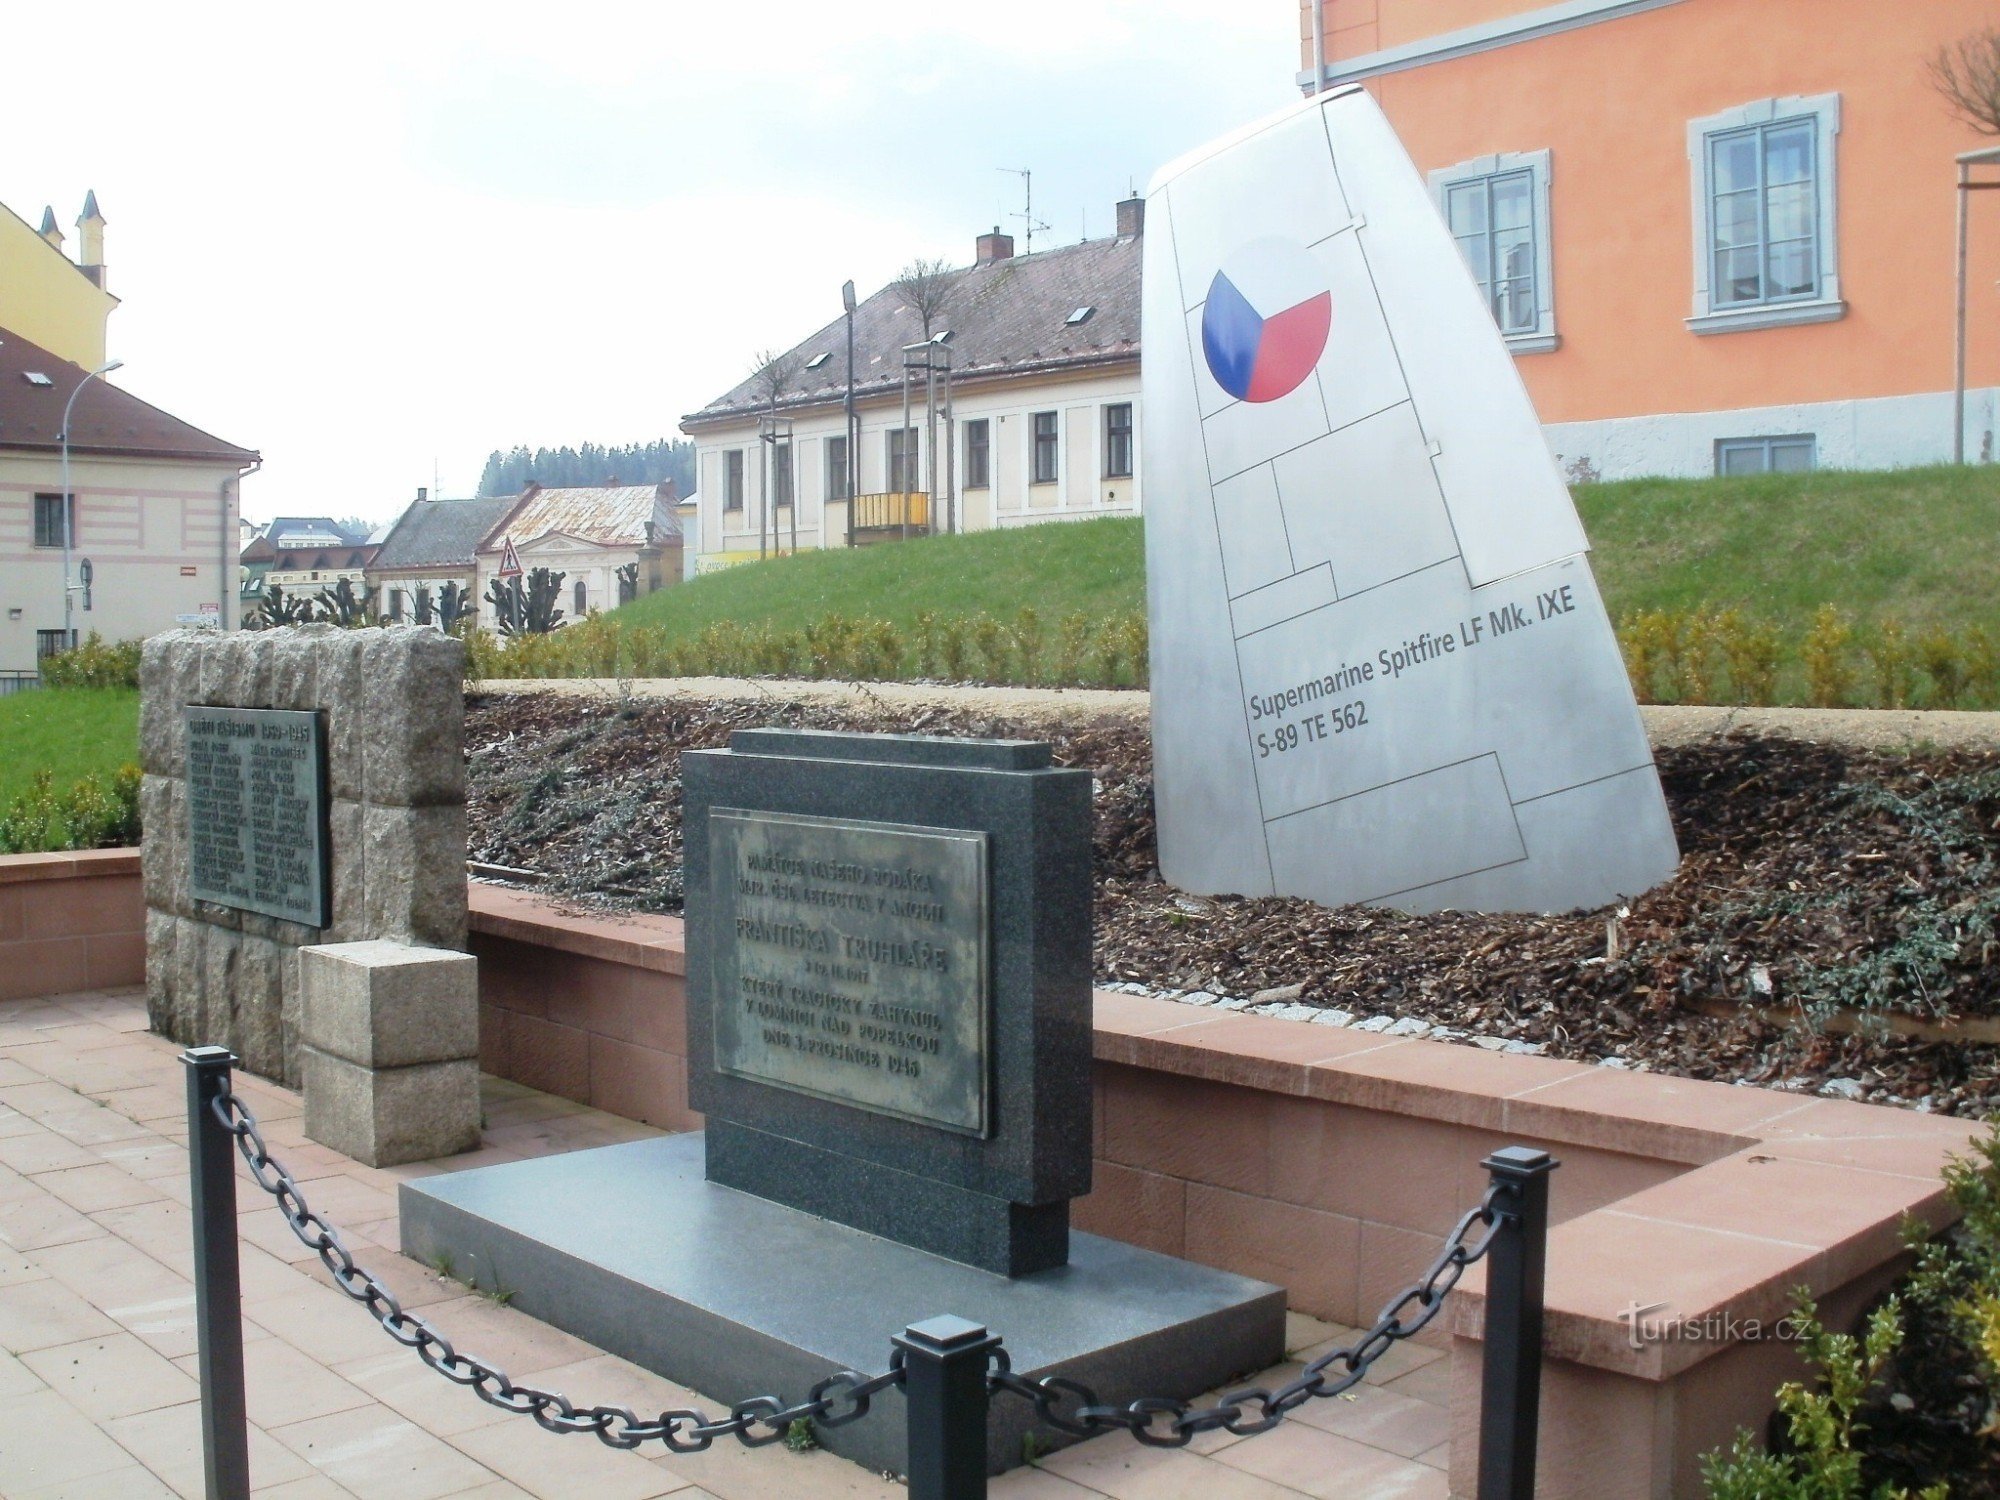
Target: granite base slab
(630, 1248)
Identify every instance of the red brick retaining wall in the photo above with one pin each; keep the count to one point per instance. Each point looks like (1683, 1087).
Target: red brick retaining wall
(1332, 1161)
(70, 922)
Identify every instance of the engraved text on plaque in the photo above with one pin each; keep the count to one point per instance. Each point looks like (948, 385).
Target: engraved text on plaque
(256, 830)
(851, 962)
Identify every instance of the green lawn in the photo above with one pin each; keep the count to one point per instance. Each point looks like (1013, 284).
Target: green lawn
(1917, 544)
(1098, 567)
(71, 732)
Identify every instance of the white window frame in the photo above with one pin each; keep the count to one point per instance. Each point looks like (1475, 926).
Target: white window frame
(1542, 338)
(1824, 111)
(1766, 443)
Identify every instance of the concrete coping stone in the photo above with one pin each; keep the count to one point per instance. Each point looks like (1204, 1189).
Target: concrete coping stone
(79, 864)
(638, 940)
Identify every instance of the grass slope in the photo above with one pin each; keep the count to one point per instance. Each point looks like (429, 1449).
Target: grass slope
(70, 732)
(1918, 544)
(1095, 566)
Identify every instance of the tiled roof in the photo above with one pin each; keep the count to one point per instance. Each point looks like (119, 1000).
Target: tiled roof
(306, 559)
(311, 531)
(35, 385)
(610, 515)
(1006, 317)
(442, 533)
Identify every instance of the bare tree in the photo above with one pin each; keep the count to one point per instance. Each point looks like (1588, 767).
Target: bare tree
(926, 285)
(1967, 73)
(772, 374)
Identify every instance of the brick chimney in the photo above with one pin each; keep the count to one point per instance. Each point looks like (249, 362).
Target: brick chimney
(991, 247)
(1131, 217)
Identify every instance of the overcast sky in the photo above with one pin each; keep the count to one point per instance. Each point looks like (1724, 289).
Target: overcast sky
(377, 242)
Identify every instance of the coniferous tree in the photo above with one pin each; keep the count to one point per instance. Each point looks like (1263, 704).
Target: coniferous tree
(510, 472)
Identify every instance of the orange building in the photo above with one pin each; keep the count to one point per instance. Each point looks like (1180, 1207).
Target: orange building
(1719, 234)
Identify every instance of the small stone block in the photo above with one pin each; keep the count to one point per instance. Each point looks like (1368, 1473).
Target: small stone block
(387, 1005)
(387, 1116)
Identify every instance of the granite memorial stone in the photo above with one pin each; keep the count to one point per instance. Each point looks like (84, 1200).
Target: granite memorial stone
(1381, 671)
(339, 817)
(890, 984)
(889, 1031)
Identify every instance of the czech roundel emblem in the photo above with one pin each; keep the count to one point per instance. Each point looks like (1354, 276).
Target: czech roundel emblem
(1264, 325)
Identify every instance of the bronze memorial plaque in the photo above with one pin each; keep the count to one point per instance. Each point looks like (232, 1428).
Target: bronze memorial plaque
(851, 962)
(256, 826)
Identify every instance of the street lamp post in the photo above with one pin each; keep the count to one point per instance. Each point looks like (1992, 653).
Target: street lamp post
(853, 427)
(68, 513)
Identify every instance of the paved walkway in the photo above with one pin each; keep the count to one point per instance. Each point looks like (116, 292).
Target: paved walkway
(97, 1339)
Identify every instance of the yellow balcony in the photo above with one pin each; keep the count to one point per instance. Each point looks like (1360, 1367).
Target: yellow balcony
(892, 512)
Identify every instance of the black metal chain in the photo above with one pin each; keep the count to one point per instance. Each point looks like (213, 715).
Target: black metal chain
(1072, 1407)
(841, 1398)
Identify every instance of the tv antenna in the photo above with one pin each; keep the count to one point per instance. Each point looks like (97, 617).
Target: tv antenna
(1027, 217)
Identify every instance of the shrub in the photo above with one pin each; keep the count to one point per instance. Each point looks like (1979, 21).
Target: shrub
(1750, 649)
(1889, 654)
(1823, 1462)
(1701, 638)
(989, 640)
(1107, 656)
(951, 649)
(1072, 642)
(1028, 643)
(882, 651)
(929, 661)
(1829, 676)
(1939, 656)
(95, 662)
(1982, 666)
(94, 812)
(1136, 642)
(1651, 640)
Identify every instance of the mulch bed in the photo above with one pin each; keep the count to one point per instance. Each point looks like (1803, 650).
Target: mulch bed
(1814, 880)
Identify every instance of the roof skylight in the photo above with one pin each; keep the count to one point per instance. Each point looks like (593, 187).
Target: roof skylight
(1081, 315)
(36, 377)
(819, 359)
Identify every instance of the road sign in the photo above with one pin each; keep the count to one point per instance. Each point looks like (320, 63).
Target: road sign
(510, 560)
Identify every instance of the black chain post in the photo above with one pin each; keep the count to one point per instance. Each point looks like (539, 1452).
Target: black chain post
(1510, 1394)
(218, 1283)
(944, 1361)
(948, 1367)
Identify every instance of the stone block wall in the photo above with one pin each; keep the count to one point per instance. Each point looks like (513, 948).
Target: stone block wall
(392, 701)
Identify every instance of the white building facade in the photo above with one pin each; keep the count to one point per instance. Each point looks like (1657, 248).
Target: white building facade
(1039, 419)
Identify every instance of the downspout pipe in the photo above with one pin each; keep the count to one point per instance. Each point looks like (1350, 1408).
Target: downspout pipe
(231, 559)
(1319, 44)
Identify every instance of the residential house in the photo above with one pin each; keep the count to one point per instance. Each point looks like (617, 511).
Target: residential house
(48, 299)
(431, 544)
(592, 535)
(1718, 234)
(298, 548)
(304, 571)
(1036, 419)
(153, 509)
